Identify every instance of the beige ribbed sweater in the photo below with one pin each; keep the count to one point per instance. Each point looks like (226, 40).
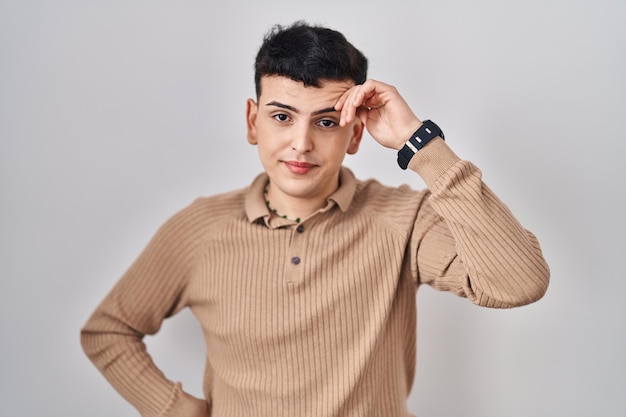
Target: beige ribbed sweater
(316, 319)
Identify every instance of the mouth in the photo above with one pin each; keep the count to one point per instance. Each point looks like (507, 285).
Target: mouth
(299, 167)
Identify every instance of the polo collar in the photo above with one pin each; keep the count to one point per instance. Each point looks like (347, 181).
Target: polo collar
(256, 208)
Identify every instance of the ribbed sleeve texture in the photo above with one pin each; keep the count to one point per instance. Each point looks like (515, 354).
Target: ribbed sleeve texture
(316, 319)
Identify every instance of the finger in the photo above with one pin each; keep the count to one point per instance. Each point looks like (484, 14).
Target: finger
(348, 109)
(355, 98)
(361, 94)
(342, 100)
(363, 114)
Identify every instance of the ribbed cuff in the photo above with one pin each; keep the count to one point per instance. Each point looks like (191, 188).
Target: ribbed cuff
(433, 160)
(185, 405)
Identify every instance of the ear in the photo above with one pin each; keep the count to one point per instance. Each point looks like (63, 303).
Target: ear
(251, 113)
(357, 135)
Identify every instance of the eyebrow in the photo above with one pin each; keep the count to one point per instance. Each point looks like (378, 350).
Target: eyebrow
(293, 109)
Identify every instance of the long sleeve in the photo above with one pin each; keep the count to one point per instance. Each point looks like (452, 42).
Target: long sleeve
(316, 318)
(489, 257)
(149, 291)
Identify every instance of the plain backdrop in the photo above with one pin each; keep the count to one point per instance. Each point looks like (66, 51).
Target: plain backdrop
(116, 114)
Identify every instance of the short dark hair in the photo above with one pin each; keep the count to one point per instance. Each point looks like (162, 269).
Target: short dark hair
(308, 54)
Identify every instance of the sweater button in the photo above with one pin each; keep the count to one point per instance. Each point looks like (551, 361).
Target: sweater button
(300, 229)
(295, 260)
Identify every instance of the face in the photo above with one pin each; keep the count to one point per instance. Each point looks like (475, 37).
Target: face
(300, 142)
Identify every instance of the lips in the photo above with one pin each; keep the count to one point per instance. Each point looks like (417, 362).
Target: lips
(299, 167)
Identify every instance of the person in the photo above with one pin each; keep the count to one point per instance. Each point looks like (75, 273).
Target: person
(305, 282)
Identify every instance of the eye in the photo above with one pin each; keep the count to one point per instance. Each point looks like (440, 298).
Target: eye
(281, 117)
(327, 123)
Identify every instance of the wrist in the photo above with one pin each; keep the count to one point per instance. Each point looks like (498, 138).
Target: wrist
(408, 133)
(427, 131)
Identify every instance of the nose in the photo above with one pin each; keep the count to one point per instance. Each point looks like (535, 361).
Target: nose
(302, 141)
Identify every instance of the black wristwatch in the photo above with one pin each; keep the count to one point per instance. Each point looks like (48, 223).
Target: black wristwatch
(417, 141)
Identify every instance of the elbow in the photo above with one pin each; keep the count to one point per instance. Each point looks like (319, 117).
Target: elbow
(534, 284)
(93, 340)
(513, 291)
(86, 343)
(530, 296)
(538, 290)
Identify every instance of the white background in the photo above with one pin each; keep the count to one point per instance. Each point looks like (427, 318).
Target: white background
(115, 114)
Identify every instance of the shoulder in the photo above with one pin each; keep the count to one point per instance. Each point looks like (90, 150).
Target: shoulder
(394, 206)
(375, 195)
(218, 206)
(205, 213)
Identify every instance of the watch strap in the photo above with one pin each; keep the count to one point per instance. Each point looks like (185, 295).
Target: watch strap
(426, 132)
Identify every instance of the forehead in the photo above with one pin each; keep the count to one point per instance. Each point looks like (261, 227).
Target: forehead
(294, 93)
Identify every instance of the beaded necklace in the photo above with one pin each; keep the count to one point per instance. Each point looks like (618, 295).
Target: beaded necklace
(273, 210)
